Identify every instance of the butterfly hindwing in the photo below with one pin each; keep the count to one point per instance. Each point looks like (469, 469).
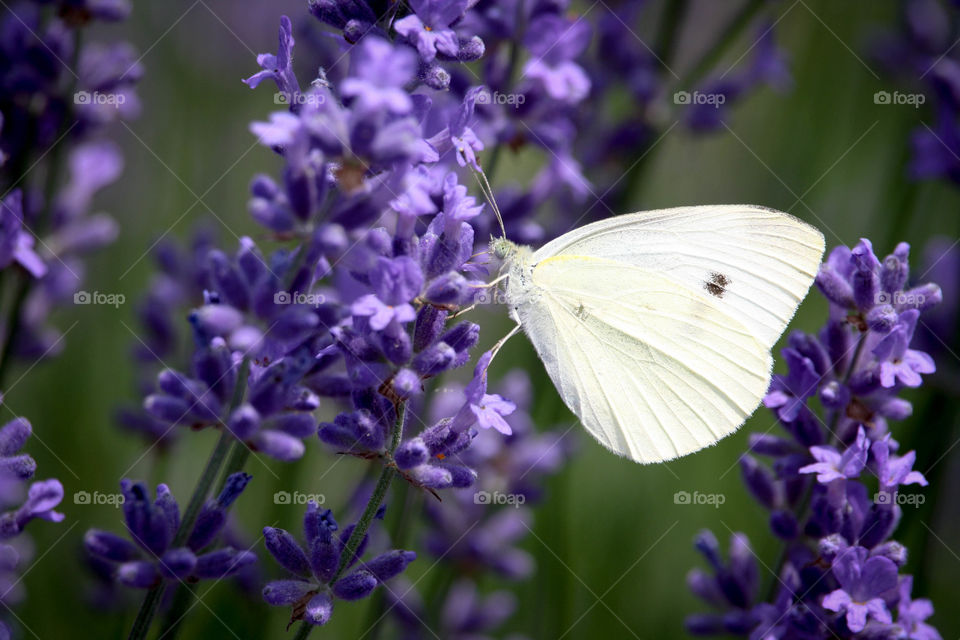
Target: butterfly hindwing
(654, 370)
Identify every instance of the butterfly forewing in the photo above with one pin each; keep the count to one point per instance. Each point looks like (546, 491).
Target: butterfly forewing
(656, 327)
(758, 262)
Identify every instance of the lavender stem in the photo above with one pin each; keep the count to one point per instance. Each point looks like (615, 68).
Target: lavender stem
(151, 602)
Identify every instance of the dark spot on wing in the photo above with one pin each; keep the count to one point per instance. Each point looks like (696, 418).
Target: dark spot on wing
(717, 285)
(580, 312)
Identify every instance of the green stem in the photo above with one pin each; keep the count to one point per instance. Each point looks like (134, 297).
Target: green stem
(376, 498)
(303, 631)
(673, 14)
(237, 460)
(237, 457)
(399, 530)
(728, 35)
(201, 491)
(13, 323)
(178, 612)
(366, 518)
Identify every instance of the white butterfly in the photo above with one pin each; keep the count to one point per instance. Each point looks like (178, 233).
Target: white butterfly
(656, 327)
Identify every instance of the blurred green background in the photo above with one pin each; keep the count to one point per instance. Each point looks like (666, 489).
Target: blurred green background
(609, 529)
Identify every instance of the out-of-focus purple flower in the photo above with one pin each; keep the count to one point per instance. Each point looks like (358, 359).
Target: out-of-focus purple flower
(16, 244)
(554, 41)
(279, 68)
(379, 72)
(428, 27)
(153, 525)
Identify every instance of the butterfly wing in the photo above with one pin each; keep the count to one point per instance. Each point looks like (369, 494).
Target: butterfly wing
(654, 370)
(758, 263)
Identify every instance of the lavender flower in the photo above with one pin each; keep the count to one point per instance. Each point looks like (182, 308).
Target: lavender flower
(322, 573)
(46, 229)
(857, 365)
(153, 526)
(21, 504)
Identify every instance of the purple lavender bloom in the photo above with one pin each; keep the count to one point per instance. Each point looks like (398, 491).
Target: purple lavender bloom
(428, 27)
(856, 365)
(279, 68)
(152, 525)
(313, 589)
(912, 614)
(898, 363)
(484, 409)
(863, 582)
(13, 436)
(554, 42)
(832, 465)
(458, 136)
(379, 72)
(42, 499)
(788, 394)
(16, 244)
(893, 471)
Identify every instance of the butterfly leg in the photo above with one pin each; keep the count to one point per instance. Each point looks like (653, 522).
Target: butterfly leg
(487, 285)
(502, 341)
(492, 283)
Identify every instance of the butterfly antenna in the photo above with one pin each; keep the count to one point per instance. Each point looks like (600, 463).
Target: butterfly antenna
(487, 191)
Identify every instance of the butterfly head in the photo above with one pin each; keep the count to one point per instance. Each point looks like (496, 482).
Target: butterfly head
(502, 248)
